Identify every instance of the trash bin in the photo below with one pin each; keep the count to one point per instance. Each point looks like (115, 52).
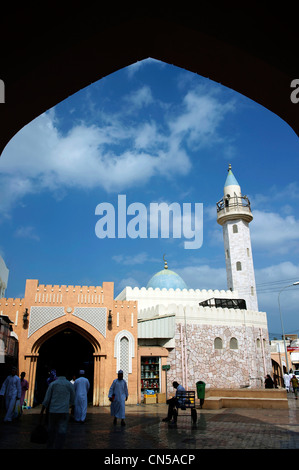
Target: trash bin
(201, 389)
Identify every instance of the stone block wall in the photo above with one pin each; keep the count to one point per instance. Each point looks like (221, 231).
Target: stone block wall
(195, 357)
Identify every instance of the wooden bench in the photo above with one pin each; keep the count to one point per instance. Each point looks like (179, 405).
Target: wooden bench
(185, 401)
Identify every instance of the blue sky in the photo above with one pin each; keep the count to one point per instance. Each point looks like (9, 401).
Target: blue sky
(155, 133)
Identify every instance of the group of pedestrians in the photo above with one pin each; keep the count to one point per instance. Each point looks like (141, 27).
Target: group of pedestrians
(13, 391)
(61, 395)
(291, 383)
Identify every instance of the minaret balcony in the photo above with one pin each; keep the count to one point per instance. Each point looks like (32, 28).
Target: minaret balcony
(233, 208)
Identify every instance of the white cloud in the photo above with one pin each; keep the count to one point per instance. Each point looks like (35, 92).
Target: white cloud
(139, 258)
(148, 136)
(204, 277)
(201, 116)
(289, 193)
(269, 281)
(280, 273)
(13, 189)
(140, 98)
(271, 231)
(128, 281)
(26, 232)
(116, 156)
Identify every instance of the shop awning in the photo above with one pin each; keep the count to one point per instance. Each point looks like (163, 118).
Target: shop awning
(157, 327)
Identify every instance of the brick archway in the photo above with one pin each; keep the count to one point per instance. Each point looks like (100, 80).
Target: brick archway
(98, 368)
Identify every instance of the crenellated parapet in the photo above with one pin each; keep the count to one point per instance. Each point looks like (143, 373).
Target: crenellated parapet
(38, 294)
(148, 298)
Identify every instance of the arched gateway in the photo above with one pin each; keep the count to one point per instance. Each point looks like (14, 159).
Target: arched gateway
(71, 348)
(77, 327)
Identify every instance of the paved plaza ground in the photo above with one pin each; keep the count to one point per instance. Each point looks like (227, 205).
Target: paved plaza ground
(227, 428)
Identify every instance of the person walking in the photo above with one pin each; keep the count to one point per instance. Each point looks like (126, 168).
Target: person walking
(294, 382)
(118, 395)
(11, 390)
(82, 387)
(287, 379)
(52, 377)
(24, 388)
(269, 382)
(173, 402)
(59, 397)
(291, 375)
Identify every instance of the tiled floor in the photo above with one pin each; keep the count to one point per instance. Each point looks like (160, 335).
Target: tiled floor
(230, 428)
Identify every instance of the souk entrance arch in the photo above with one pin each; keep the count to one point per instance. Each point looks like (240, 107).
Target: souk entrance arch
(67, 348)
(67, 351)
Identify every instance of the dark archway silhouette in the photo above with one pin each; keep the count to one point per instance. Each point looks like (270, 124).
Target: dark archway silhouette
(67, 351)
(49, 54)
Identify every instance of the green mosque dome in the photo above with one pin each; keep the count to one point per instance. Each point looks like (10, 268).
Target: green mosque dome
(166, 279)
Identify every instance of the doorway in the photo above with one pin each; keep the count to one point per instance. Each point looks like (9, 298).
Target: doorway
(66, 350)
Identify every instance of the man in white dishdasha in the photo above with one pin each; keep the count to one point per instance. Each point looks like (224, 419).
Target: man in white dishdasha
(118, 395)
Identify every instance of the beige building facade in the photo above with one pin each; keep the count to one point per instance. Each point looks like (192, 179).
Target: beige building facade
(104, 336)
(215, 336)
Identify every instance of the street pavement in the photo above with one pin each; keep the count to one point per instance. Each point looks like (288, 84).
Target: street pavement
(227, 428)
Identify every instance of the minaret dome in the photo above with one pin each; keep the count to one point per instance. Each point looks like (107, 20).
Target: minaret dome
(234, 205)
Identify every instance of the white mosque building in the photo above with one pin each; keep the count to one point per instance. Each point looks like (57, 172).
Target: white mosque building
(215, 336)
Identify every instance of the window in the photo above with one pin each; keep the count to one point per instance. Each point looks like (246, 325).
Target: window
(258, 343)
(218, 343)
(239, 266)
(252, 290)
(227, 254)
(124, 356)
(233, 344)
(235, 228)
(248, 252)
(124, 351)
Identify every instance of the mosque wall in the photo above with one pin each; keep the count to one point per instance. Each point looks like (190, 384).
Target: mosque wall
(220, 346)
(221, 356)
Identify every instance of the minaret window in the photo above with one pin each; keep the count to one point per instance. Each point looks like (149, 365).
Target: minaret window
(239, 266)
(227, 254)
(235, 228)
(248, 252)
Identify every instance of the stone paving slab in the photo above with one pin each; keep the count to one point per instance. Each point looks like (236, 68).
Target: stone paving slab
(231, 428)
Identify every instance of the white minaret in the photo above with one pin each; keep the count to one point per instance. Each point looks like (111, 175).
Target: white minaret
(234, 214)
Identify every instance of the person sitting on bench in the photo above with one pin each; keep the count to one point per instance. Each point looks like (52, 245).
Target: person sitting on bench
(175, 401)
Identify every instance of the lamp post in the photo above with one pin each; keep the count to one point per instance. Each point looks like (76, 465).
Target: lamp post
(283, 335)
